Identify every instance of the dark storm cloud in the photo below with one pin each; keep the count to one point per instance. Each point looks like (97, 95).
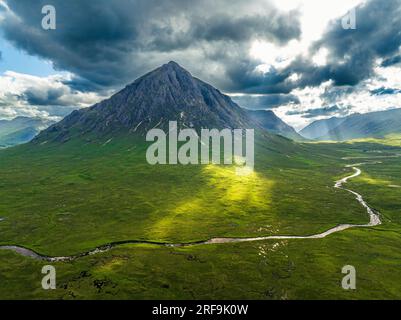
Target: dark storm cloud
(279, 28)
(353, 53)
(391, 61)
(110, 43)
(266, 101)
(324, 111)
(312, 113)
(333, 94)
(244, 77)
(384, 91)
(77, 83)
(273, 27)
(48, 97)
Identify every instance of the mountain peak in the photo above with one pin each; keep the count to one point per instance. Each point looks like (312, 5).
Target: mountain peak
(173, 66)
(168, 93)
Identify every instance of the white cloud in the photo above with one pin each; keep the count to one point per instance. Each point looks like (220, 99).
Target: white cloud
(320, 58)
(26, 95)
(358, 99)
(317, 13)
(272, 55)
(309, 98)
(315, 16)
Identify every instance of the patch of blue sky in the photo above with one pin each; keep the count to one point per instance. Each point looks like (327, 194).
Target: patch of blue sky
(14, 59)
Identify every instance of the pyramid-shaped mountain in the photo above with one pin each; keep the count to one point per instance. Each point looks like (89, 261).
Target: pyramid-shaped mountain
(169, 93)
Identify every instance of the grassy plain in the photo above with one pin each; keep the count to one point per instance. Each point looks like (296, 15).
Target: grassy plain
(63, 200)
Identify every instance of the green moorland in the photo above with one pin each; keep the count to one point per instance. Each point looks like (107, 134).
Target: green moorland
(67, 199)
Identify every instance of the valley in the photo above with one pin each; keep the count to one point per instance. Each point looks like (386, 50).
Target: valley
(180, 155)
(291, 193)
(355, 126)
(82, 197)
(374, 218)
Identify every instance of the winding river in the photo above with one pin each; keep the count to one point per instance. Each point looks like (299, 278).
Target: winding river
(373, 215)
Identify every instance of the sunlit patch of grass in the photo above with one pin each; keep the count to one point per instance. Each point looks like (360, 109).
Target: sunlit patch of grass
(244, 171)
(110, 265)
(184, 214)
(62, 203)
(224, 200)
(389, 140)
(373, 181)
(249, 187)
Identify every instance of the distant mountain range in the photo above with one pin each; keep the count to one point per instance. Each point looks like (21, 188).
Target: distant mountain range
(320, 127)
(356, 126)
(20, 130)
(268, 120)
(169, 93)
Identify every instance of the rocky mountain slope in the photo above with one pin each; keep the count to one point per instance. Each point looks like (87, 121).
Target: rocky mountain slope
(270, 122)
(169, 93)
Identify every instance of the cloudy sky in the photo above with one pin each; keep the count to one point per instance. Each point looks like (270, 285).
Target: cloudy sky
(291, 56)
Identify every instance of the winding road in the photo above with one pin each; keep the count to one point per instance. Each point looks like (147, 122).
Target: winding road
(373, 215)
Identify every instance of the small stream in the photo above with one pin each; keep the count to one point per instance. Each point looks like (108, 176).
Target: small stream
(374, 220)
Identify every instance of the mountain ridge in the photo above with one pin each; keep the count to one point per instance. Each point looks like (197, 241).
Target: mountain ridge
(320, 127)
(376, 124)
(268, 120)
(21, 130)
